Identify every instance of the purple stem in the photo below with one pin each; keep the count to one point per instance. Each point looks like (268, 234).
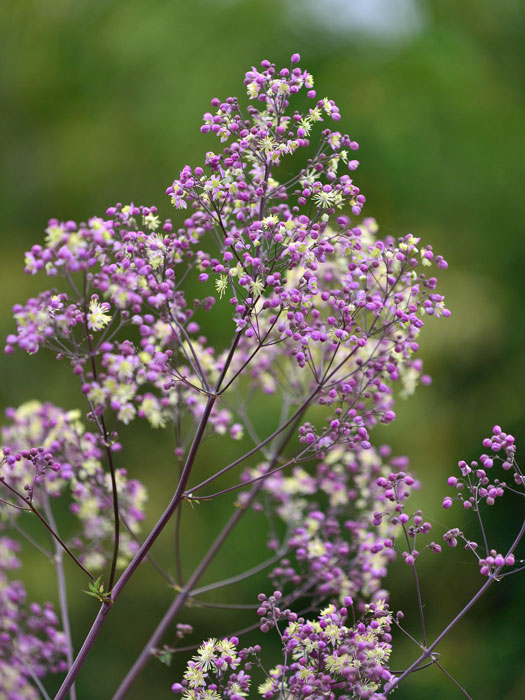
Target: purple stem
(174, 608)
(428, 651)
(418, 590)
(256, 449)
(62, 594)
(48, 527)
(137, 559)
(152, 537)
(239, 577)
(105, 436)
(183, 595)
(450, 677)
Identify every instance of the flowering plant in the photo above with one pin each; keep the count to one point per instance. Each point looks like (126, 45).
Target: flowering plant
(326, 315)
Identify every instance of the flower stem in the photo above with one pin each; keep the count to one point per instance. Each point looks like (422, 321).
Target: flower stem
(152, 537)
(188, 589)
(428, 651)
(48, 527)
(62, 595)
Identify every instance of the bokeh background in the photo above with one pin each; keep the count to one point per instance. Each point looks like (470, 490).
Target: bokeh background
(101, 102)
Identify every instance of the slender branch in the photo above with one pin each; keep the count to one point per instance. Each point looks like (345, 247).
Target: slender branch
(420, 606)
(178, 554)
(198, 367)
(285, 666)
(149, 557)
(481, 527)
(253, 480)
(420, 668)
(28, 537)
(256, 449)
(252, 354)
(239, 577)
(514, 571)
(37, 682)
(114, 489)
(407, 634)
(428, 651)
(418, 591)
(178, 517)
(188, 589)
(116, 513)
(451, 678)
(221, 606)
(62, 594)
(12, 505)
(48, 527)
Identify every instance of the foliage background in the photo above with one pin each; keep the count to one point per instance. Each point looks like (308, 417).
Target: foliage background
(101, 102)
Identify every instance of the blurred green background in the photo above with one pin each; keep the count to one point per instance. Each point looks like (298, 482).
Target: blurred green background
(101, 102)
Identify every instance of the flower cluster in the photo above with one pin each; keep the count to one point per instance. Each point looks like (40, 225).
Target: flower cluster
(122, 274)
(327, 658)
(31, 644)
(454, 535)
(47, 453)
(294, 269)
(475, 486)
(339, 548)
(397, 489)
(321, 658)
(214, 672)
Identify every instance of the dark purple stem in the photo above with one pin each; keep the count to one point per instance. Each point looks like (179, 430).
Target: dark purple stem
(174, 608)
(105, 436)
(152, 537)
(451, 678)
(62, 594)
(48, 527)
(418, 591)
(258, 447)
(183, 595)
(428, 651)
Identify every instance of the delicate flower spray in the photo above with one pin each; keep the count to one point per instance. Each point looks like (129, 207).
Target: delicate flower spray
(326, 315)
